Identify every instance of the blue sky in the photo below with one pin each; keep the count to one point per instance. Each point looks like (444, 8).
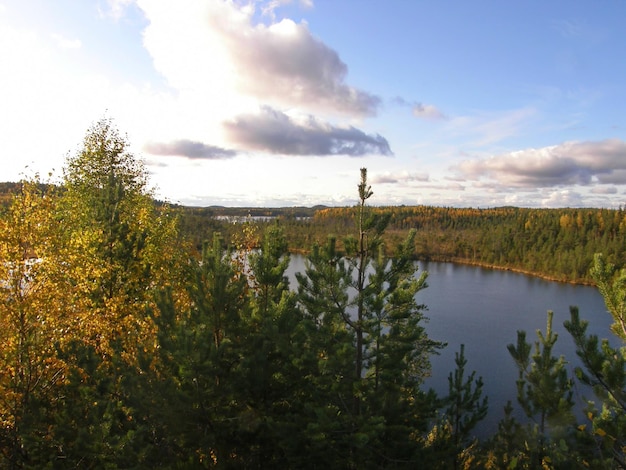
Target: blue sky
(280, 103)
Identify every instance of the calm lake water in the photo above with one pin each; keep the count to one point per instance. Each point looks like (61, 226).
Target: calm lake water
(484, 309)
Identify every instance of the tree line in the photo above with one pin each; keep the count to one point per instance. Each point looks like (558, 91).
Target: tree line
(125, 344)
(558, 244)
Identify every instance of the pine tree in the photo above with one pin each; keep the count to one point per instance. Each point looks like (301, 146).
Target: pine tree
(241, 364)
(612, 285)
(376, 352)
(544, 392)
(604, 366)
(506, 449)
(269, 264)
(464, 408)
(323, 295)
(207, 354)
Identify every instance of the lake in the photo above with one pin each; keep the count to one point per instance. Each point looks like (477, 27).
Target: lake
(483, 309)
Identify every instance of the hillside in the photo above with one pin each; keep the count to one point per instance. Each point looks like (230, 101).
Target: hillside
(558, 244)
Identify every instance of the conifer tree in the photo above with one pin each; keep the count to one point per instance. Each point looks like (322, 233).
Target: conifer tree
(377, 352)
(506, 448)
(268, 264)
(323, 294)
(449, 442)
(544, 392)
(604, 367)
(274, 375)
(209, 354)
(240, 365)
(612, 286)
(464, 408)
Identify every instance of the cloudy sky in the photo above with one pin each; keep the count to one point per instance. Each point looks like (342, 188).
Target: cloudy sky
(280, 103)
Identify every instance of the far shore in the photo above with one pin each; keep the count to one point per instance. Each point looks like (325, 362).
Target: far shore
(455, 260)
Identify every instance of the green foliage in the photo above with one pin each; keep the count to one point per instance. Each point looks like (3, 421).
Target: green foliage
(450, 441)
(506, 449)
(464, 406)
(604, 367)
(612, 285)
(268, 266)
(239, 366)
(543, 387)
(379, 353)
(544, 392)
(201, 351)
(114, 250)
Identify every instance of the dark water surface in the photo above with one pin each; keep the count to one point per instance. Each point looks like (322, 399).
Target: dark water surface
(483, 309)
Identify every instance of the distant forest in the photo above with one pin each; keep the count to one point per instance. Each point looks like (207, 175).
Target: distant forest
(558, 244)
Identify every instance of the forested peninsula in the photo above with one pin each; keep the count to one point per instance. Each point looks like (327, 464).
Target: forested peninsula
(137, 334)
(556, 244)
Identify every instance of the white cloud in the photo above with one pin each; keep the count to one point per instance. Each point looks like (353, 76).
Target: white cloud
(34, 94)
(276, 132)
(427, 111)
(269, 8)
(55, 96)
(571, 163)
(213, 48)
(115, 8)
(564, 198)
(66, 43)
(400, 177)
(604, 190)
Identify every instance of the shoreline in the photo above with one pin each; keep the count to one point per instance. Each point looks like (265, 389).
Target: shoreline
(454, 260)
(547, 277)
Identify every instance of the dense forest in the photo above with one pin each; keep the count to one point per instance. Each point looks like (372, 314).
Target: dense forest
(143, 335)
(558, 244)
